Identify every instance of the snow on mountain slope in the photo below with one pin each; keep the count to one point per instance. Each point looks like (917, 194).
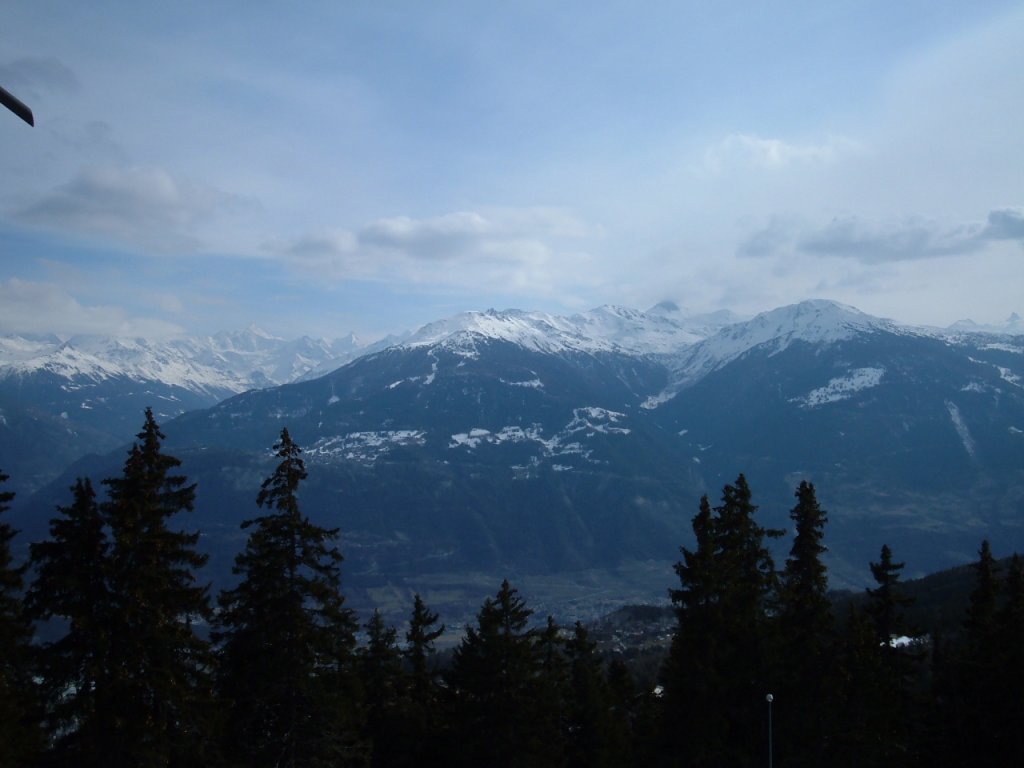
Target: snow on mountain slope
(841, 387)
(604, 329)
(818, 321)
(694, 344)
(225, 363)
(568, 441)
(1013, 326)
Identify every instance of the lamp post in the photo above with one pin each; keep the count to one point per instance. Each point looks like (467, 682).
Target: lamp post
(769, 698)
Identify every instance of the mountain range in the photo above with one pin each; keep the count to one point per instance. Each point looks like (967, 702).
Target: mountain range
(569, 452)
(63, 398)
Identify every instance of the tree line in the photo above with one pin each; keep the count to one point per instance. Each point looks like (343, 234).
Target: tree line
(143, 666)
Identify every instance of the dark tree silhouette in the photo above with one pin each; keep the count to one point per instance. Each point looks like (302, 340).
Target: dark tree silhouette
(72, 573)
(286, 639)
(19, 728)
(156, 698)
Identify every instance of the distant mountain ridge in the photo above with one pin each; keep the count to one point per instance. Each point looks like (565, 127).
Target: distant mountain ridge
(223, 363)
(1014, 326)
(604, 329)
(61, 398)
(512, 442)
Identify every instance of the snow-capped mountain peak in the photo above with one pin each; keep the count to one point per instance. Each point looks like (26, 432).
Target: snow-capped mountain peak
(1013, 326)
(535, 330)
(816, 321)
(668, 307)
(607, 328)
(222, 364)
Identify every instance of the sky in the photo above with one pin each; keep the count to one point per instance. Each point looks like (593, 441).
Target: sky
(321, 168)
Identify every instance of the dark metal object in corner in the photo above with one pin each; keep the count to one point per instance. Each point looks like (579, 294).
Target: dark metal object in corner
(16, 106)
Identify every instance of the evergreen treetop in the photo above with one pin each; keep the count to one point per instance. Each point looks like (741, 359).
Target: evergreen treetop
(806, 611)
(285, 636)
(885, 604)
(72, 574)
(984, 599)
(19, 732)
(156, 701)
(420, 637)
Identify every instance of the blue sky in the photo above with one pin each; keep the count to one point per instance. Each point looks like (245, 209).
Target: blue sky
(328, 167)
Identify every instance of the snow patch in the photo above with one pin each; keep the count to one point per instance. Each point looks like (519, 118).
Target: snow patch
(596, 420)
(841, 388)
(531, 384)
(365, 447)
(1005, 348)
(1009, 376)
(588, 421)
(654, 401)
(433, 371)
(961, 427)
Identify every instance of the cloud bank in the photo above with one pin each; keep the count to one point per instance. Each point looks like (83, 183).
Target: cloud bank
(505, 248)
(144, 207)
(744, 150)
(28, 307)
(881, 242)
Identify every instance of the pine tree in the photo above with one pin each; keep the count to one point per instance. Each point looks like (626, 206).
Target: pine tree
(745, 563)
(595, 735)
(551, 699)
(1008, 702)
(624, 712)
(984, 601)
(697, 570)
(285, 637)
(71, 585)
(718, 669)
(155, 707)
(974, 710)
(805, 609)
(382, 675)
(864, 734)
(494, 679)
(19, 730)
(420, 637)
(806, 679)
(885, 604)
(421, 735)
(893, 717)
(694, 731)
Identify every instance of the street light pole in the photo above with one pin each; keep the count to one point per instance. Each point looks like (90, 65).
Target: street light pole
(769, 698)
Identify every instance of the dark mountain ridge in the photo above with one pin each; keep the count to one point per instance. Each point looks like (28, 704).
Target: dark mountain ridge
(502, 444)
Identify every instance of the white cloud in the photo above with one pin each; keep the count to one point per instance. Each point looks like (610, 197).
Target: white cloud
(1004, 224)
(879, 242)
(33, 307)
(167, 302)
(518, 249)
(143, 207)
(743, 150)
(442, 238)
